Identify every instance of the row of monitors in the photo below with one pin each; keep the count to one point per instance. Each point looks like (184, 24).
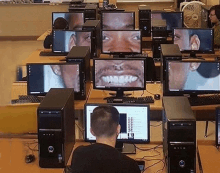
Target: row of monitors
(120, 20)
(182, 77)
(195, 40)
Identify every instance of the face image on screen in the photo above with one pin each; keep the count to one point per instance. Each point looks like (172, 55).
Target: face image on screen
(200, 40)
(119, 73)
(75, 20)
(200, 76)
(42, 77)
(173, 19)
(63, 41)
(134, 122)
(118, 21)
(121, 42)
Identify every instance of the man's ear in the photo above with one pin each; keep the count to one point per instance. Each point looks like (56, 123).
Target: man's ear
(72, 41)
(92, 132)
(195, 42)
(194, 66)
(118, 129)
(56, 69)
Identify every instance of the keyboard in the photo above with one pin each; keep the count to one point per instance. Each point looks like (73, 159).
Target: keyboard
(46, 53)
(138, 100)
(204, 100)
(27, 99)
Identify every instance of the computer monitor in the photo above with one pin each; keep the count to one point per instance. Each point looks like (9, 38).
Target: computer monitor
(63, 41)
(74, 19)
(121, 42)
(194, 40)
(134, 121)
(191, 77)
(173, 19)
(41, 77)
(119, 74)
(117, 20)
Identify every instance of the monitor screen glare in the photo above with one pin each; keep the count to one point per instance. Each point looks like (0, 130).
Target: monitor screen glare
(119, 73)
(134, 121)
(63, 41)
(116, 42)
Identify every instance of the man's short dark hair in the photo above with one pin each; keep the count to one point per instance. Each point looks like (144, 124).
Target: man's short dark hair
(104, 120)
(60, 23)
(217, 10)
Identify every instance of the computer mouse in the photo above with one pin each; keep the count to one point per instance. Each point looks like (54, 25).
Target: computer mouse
(157, 96)
(29, 158)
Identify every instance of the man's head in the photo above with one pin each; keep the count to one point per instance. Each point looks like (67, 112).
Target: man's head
(105, 122)
(118, 21)
(60, 23)
(215, 14)
(80, 39)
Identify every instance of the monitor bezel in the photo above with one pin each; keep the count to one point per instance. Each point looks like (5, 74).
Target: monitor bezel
(119, 88)
(119, 104)
(54, 30)
(66, 13)
(122, 53)
(77, 95)
(166, 90)
(169, 31)
(197, 51)
(101, 17)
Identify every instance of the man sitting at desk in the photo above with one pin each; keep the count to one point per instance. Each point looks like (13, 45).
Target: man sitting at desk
(103, 157)
(214, 17)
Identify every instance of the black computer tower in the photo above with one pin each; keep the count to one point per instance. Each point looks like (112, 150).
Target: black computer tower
(168, 52)
(91, 12)
(159, 36)
(179, 135)
(56, 128)
(145, 20)
(82, 55)
(94, 26)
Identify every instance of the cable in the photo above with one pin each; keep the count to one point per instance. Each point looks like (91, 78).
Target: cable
(159, 124)
(150, 92)
(80, 129)
(161, 160)
(148, 149)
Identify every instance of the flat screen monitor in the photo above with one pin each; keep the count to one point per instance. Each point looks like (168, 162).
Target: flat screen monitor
(63, 41)
(134, 121)
(173, 19)
(194, 40)
(117, 20)
(119, 74)
(192, 77)
(41, 77)
(74, 19)
(121, 42)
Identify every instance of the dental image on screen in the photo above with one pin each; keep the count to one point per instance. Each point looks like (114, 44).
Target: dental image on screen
(64, 40)
(193, 76)
(194, 39)
(119, 73)
(61, 76)
(75, 20)
(133, 121)
(118, 21)
(173, 20)
(121, 41)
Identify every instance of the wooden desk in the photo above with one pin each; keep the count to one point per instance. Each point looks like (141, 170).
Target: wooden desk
(97, 96)
(210, 158)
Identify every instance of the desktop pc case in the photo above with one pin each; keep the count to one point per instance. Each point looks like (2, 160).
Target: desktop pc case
(56, 128)
(81, 54)
(205, 20)
(168, 52)
(145, 20)
(179, 135)
(94, 26)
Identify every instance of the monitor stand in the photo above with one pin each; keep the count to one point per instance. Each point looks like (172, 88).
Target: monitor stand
(119, 95)
(193, 55)
(119, 56)
(125, 148)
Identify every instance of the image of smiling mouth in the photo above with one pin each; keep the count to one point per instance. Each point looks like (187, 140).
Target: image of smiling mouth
(119, 80)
